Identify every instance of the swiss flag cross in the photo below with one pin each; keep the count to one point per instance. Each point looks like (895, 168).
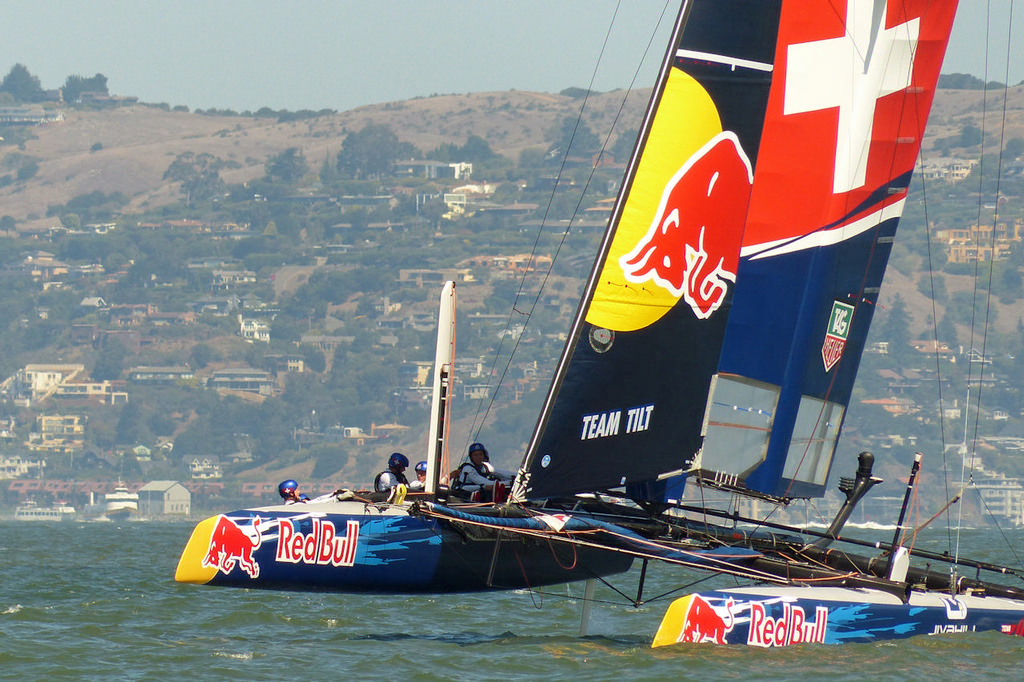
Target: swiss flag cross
(860, 85)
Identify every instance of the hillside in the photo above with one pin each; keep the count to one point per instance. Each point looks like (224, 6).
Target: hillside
(140, 142)
(128, 150)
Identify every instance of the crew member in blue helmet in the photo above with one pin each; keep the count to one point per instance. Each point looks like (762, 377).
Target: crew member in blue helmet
(477, 474)
(289, 491)
(421, 477)
(393, 475)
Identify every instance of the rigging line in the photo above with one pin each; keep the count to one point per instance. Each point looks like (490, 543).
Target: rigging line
(935, 342)
(995, 520)
(995, 219)
(536, 242)
(543, 223)
(977, 266)
(922, 126)
(953, 500)
(906, 530)
(688, 586)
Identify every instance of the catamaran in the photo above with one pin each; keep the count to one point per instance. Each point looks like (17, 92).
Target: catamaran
(715, 346)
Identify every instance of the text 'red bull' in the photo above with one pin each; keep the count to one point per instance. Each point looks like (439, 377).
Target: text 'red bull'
(792, 628)
(692, 247)
(229, 545)
(321, 547)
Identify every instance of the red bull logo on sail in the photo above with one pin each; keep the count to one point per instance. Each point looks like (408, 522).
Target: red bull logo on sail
(231, 546)
(693, 244)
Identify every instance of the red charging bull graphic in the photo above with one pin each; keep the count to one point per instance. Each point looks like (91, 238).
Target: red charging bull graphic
(230, 545)
(703, 623)
(692, 247)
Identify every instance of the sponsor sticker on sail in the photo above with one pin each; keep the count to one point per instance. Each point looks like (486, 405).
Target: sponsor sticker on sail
(835, 335)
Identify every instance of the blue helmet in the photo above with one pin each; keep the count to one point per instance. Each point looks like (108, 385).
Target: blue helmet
(286, 488)
(397, 459)
(421, 466)
(478, 446)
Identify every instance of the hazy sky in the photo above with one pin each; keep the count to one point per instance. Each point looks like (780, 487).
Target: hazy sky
(339, 54)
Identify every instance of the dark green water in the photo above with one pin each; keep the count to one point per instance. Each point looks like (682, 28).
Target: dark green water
(98, 602)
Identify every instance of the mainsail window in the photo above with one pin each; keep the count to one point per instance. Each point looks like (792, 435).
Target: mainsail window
(737, 424)
(814, 440)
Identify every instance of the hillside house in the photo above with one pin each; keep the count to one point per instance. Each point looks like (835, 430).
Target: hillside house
(228, 279)
(981, 242)
(211, 305)
(36, 382)
(285, 362)
(949, 169)
(16, 466)
(255, 330)
(243, 379)
(160, 375)
(107, 392)
(58, 434)
(205, 467)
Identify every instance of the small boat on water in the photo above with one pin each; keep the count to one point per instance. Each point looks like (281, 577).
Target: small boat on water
(31, 511)
(715, 348)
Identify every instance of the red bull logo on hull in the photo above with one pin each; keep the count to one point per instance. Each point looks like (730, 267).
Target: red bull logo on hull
(692, 247)
(792, 628)
(322, 546)
(704, 623)
(231, 546)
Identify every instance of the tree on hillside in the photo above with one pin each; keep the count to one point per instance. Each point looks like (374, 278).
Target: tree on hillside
(573, 137)
(21, 84)
(1014, 148)
(960, 81)
(895, 329)
(110, 362)
(370, 152)
(476, 150)
(199, 176)
(289, 166)
(624, 143)
(970, 136)
(74, 86)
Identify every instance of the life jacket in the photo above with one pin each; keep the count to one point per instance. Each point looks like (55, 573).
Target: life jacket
(460, 475)
(401, 478)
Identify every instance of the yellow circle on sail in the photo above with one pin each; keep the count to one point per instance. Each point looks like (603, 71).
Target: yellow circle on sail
(685, 121)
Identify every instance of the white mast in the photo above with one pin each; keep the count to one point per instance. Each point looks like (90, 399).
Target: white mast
(444, 359)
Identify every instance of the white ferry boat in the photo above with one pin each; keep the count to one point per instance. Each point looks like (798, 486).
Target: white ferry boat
(30, 511)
